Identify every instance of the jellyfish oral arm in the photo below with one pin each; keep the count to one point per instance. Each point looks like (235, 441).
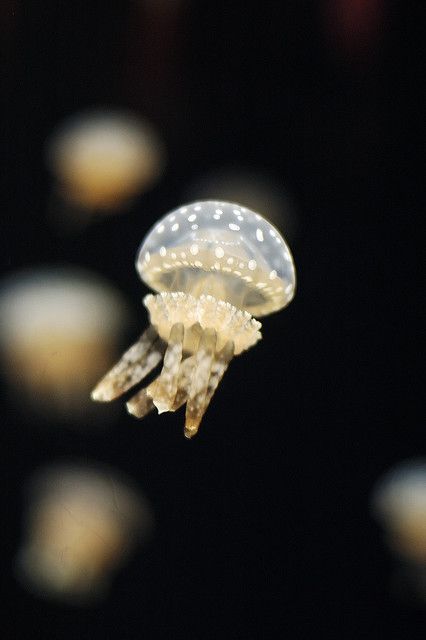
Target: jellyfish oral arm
(205, 312)
(194, 361)
(135, 364)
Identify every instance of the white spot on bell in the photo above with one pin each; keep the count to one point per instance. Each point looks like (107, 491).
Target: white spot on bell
(219, 252)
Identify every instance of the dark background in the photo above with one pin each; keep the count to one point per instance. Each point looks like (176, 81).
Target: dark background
(263, 521)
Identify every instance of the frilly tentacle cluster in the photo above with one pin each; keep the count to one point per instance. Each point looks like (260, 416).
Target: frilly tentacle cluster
(230, 323)
(195, 338)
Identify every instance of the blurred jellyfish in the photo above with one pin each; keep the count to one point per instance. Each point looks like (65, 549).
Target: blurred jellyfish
(216, 266)
(81, 524)
(253, 188)
(102, 159)
(354, 28)
(399, 503)
(59, 328)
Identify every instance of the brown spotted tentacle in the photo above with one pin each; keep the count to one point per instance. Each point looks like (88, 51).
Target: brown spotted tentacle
(135, 364)
(199, 383)
(140, 404)
(219, 366)
(164, 388)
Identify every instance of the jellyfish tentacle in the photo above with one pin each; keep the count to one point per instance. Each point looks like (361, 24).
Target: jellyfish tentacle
(136, 363)
(164, 388)
(140, 404)
(200, 380)
(185, 376)
(219, 366)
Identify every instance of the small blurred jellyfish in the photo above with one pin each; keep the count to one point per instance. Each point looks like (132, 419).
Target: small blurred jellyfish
(253, 188)
(81, 523)
(354, 28)
(399, 503)
(59, 328)
(103, 158)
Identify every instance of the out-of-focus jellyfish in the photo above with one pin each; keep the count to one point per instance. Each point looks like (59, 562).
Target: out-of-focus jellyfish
(102, 159)
(354, 28)
(399, 503)
(81, 523)
(216, 267)
(253, 188)
(59, 329)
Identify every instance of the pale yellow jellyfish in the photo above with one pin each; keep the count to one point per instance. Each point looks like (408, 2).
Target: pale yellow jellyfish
(81, 524)
(59, 329)
(399, 502)
(216, 266)
(253, 188)
(103, 158)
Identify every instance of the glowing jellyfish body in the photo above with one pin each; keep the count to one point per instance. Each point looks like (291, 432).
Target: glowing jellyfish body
(81, 524)
(216, 267)
(51, 320)
(399, 502)
(253, 188)
(103, 158)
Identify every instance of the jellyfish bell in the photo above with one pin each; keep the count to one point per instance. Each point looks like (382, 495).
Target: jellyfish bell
(104, 158)
(82, 522)
(216, 266)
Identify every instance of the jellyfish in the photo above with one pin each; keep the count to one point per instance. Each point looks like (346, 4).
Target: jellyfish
(51, 319)
(81, 524)
(103, 158)
(253, 188)
(216, 267)
(399, 503)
